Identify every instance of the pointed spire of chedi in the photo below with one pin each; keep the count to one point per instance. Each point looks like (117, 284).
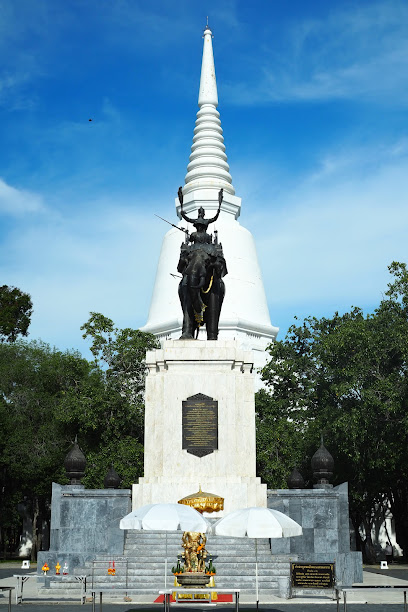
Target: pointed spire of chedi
(208, 167)
(208, 84)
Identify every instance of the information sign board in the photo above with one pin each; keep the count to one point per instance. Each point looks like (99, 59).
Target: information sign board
(312, 575)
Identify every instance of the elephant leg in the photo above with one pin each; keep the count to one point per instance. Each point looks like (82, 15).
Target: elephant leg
(212, 318)
(187, 332)
(213, 311)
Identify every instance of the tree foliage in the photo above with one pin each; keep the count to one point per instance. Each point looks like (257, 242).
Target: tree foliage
(47, 397)
(121, 353)
(111, 414)
(279, 443)
(15, 313)
(347, 376)
(33, 378)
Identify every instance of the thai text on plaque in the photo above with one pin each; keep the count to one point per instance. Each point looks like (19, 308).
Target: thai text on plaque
(313, 575)
(200, 425)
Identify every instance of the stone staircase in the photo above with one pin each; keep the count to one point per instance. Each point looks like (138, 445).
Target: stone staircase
(142, 567)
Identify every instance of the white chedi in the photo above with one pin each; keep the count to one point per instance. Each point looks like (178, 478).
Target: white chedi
(244, 315)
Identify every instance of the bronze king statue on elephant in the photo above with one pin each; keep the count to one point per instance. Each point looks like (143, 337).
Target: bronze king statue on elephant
(202, 266)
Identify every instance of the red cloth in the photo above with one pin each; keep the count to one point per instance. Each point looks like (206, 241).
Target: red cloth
(222, 598)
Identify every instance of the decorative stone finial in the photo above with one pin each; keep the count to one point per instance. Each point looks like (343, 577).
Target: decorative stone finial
(112, 479)
(295, 480)
(75, 464)
(322, 466)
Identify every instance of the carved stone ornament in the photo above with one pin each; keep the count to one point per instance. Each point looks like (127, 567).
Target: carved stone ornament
(322, 466)
(295, 480)
(75, 464)
(112, 479)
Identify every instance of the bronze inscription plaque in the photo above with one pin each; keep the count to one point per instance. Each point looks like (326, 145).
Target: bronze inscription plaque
(200, 425)
(312, 575)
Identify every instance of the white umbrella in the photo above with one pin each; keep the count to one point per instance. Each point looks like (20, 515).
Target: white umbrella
(165, 517)
(257, 523)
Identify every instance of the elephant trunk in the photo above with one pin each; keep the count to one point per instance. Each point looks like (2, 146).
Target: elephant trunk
(197, 281)
(200, 285)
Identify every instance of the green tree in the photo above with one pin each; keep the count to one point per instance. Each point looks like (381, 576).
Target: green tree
(109, 429)
(33, 379)
(47, 397)
(15, 313)
(347, 376)
(121, 353)
(280, 441)
(107, 411)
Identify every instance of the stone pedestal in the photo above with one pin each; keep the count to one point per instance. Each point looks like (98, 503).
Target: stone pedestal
(84, 523)
(220, 370)
(324, 516)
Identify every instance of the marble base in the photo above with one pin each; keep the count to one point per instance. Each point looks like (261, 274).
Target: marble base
(221, 370)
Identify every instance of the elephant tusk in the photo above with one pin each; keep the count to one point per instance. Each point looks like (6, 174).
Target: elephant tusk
(209, 286)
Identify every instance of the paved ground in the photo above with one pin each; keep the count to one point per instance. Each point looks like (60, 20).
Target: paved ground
(395, 571)
(381, 600)
(290, 607)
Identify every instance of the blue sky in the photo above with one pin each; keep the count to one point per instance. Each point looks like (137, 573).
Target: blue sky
(313, 102)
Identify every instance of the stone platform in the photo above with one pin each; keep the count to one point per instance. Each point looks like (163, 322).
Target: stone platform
(324, 516)
(142, 567)
(223, 372)
(84, 523)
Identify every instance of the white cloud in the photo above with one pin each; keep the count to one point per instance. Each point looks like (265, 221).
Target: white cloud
(328, 238)
(27, 30)
(354, 53)
(323, 244)
(18, 201)
(332, 237)
(96, 257)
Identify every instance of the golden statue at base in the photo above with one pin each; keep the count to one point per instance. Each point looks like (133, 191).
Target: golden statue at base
(194, 573)
(194, 554)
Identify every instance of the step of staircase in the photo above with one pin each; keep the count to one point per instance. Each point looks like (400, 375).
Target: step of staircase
(142, 567)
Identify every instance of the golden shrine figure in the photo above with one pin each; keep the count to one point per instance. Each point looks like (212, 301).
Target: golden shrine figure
(194, 554)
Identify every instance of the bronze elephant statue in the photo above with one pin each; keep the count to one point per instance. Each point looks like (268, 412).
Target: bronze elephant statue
(201, 290)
